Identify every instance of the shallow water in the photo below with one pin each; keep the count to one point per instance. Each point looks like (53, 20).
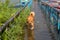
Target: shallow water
(12, 1)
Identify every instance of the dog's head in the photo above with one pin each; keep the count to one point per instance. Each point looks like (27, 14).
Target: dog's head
(32, 14)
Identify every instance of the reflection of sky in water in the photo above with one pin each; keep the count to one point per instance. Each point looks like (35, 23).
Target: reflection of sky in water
(15, 2)
(12, 1)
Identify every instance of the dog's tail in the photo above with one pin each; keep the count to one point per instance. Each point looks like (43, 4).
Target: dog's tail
(32, 14)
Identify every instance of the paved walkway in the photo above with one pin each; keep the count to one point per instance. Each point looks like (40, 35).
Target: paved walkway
(41, 29)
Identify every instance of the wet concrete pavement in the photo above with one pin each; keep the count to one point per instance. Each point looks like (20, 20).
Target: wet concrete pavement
(41, 30)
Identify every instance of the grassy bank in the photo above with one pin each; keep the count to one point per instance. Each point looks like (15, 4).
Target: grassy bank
(6, 12)
(16, 30)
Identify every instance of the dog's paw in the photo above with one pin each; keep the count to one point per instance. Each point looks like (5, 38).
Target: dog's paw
(32, 28)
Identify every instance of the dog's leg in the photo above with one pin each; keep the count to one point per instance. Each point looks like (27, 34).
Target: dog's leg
(32, 26)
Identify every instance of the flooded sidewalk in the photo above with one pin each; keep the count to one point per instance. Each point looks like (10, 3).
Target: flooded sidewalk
(41, 30)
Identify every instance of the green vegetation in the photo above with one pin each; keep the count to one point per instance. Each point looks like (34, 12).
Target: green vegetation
(6, 12)
(16, 30)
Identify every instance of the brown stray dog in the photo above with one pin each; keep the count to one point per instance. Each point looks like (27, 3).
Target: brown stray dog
(30, 21)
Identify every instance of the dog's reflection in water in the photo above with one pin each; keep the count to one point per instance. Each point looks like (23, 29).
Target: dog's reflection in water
(30, 34)
(30, 26)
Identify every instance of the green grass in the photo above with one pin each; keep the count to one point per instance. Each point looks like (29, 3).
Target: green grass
(6, 12)
(16, 30)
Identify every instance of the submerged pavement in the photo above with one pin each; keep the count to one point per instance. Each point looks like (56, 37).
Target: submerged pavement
(41, 30)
